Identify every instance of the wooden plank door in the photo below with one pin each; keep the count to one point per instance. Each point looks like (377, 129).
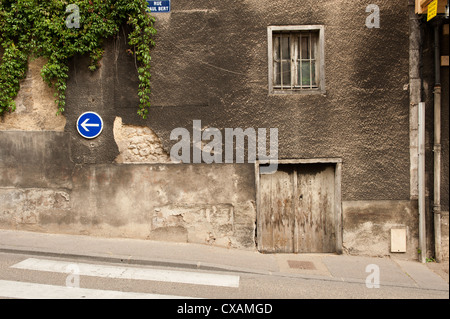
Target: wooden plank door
(277, 220)
(315, 219)
(296, 212)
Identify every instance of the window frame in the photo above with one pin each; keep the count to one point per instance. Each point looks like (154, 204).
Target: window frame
(320, 58)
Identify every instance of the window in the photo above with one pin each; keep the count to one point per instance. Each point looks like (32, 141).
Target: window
(296, 59)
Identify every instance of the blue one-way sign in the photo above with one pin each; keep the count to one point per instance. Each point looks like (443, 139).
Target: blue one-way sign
(89, 125)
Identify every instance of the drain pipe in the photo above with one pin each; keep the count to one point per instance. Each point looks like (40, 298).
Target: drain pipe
(437, 146)
(418, 29)
(421, 180)
(421, 169)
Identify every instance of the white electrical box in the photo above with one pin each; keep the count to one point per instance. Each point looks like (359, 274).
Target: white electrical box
(398, 240)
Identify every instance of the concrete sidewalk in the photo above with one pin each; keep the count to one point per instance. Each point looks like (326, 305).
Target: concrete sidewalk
(393, 272)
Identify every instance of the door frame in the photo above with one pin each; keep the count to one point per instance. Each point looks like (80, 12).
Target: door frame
(337, 194)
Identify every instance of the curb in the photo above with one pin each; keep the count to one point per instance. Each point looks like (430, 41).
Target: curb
(133, 261)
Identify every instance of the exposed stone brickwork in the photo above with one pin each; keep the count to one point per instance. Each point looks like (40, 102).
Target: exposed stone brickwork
(138, 144)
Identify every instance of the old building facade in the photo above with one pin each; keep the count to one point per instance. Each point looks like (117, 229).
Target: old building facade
(334, 78)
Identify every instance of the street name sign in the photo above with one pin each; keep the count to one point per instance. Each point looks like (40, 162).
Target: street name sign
(159, 6)
(89, 125)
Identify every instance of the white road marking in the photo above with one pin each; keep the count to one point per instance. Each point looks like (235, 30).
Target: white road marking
(28, 290)
(121, 272)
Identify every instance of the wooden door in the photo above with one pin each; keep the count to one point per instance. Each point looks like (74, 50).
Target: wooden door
(276, 211)
(296, 213)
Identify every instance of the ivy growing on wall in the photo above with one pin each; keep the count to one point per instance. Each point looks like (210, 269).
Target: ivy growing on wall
(57, 30)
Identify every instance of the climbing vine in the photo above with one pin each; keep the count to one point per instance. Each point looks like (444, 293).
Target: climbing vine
(58, 30)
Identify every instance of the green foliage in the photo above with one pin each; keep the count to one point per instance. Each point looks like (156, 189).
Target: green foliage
(430, 260)
(38, 28)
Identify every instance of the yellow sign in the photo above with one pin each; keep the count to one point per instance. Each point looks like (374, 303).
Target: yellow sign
(432, 10)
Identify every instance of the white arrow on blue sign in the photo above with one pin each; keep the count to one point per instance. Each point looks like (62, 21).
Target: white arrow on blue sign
(89, 125)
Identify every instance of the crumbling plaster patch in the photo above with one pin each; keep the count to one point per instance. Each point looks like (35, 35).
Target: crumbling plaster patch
(35, 104)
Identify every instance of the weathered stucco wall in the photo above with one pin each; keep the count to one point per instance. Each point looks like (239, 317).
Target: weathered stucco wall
(192, 203)
(41, 189)
(368, 225)
(211, 64)
(219, 74)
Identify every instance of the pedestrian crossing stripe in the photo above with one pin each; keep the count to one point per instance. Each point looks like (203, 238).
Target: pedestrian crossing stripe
(121, 272)
(28, 290)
